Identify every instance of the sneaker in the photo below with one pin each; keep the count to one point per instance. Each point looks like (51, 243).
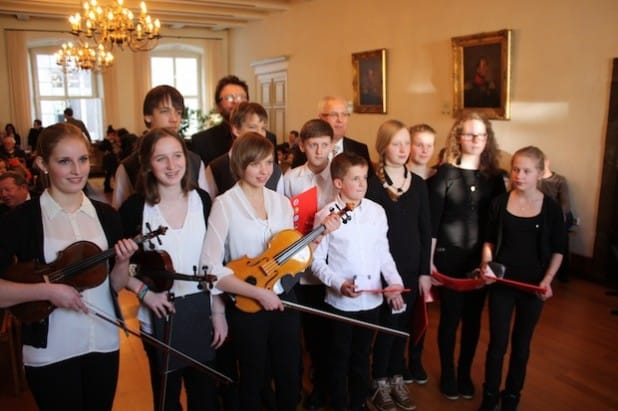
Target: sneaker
(448, 387)
(419, 375)
(381, 398)
(407, 376)
(466, 388)
(400, 394)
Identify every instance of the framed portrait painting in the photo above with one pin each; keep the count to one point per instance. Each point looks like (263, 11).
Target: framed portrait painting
(482, 74)
(369, 81)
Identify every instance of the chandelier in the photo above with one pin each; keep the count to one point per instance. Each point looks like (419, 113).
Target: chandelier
(115, 26)
(83, 56)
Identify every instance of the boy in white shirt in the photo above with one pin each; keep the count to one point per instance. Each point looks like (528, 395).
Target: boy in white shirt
(351, 262)
(316, 141)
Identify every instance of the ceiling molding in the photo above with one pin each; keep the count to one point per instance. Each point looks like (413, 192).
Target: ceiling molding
(215, 15)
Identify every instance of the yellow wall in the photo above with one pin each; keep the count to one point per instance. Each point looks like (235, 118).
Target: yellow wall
(562, 53)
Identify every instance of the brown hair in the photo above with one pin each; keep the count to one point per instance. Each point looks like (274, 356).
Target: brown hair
(18, 178)
(342, 162)
(316, 128)
(248, 148)
(386, 131)
(533, 153)
(159, 95)
(51, 136)
(489, 157)
(147, 183)
(239, 113)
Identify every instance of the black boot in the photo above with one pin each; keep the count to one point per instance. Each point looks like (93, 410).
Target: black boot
(490, 401)
(509, 401)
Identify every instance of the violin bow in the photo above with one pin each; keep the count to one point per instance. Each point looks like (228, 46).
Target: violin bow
(342, 318)
(98, 313)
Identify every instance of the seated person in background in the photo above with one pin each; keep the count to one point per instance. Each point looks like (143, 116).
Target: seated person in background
(423, 142)
(245, 117)
(9, 130)
(13, 191)
(555, 186)
(10, 150)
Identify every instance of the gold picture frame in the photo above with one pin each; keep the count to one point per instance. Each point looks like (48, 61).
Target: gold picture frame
(369, 81)
(482, 74)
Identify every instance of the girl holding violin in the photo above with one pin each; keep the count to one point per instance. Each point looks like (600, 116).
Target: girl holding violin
(71, 359)
(242, 221)
(165, 196)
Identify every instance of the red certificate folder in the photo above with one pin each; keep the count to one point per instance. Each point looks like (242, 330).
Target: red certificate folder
(500, 269)
(305, 207)
(459, 284)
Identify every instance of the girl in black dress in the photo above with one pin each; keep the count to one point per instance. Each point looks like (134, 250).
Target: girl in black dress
(460, 193)
(403, 195)
(526, 234)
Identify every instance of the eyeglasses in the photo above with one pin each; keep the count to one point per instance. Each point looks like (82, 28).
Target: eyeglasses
(334, 116)
(230, 98)
(470, 136)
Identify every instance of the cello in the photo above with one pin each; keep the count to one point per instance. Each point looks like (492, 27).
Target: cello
(81, 265)
(287, 254)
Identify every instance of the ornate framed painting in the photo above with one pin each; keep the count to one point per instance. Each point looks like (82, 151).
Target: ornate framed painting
(369, 81)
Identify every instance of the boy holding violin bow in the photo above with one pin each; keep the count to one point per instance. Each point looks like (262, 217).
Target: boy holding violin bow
(351, 262)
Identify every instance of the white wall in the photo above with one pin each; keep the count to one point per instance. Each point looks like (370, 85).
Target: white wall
(561, 62)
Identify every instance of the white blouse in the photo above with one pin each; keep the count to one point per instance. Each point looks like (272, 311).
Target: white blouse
(72, 333)
(234, 230)
(184, 246)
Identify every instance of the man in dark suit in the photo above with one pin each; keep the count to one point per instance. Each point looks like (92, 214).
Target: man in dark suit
(68, 116)
(217, 140)
(334, 110)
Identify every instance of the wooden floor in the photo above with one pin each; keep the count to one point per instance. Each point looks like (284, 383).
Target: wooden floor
(573, 363)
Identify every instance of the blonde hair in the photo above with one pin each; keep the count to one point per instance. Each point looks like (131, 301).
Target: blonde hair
(386, 131)
(533, 153)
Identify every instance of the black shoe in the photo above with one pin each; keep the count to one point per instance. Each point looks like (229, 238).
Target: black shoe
(407, 376)
(314, 401)
(490, 401)
(448, 387)
(509, 402)
(419, 375)
(466, 388)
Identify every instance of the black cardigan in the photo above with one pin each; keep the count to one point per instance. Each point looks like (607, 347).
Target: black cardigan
(551, 233)
(25, 242)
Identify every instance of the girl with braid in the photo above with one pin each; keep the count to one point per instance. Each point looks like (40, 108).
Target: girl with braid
(404, 197)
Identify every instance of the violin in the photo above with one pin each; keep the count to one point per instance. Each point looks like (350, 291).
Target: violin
(287, 254)
(81, 265)
(156, 270)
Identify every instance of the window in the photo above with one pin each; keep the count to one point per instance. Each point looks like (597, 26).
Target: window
(55, 89)
(180, 69)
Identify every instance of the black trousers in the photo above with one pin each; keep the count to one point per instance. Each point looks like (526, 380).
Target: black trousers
(200, 388)
(388, 349)
(504, 304)
(349, 359)
(84, 383)
(267, 344)
(455, 307)
(316, 334)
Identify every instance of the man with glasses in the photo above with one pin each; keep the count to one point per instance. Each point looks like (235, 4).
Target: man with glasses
(334, 110)
(217, 140)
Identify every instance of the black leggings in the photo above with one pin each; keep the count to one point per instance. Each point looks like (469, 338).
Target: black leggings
(455, 307)
(503, 302)
(84, 383)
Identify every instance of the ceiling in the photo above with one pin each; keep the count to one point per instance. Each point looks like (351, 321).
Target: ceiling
(215, 15)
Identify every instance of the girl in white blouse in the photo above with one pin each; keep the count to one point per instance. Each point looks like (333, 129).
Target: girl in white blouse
(241, 223)
(165, 197)
(70, 358)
